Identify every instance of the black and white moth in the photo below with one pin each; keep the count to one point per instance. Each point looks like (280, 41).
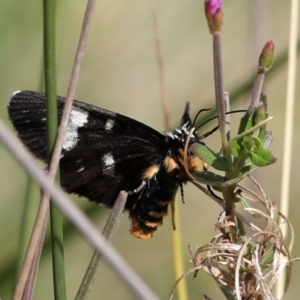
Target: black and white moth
(105, 152)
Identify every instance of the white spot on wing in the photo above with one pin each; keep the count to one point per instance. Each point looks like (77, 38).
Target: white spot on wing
(108, 161)
(11, 96)
(78, 118)
(109, 124)
(80, 170)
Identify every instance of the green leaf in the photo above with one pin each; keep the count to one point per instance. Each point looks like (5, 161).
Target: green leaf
(262, 132)
(250, 145)
(208, 176)
(236, 149)
(243, 122)
(264, 100)
(242, 173)
(216, 160)
(246, 169)
(262, 157)
(260, 115)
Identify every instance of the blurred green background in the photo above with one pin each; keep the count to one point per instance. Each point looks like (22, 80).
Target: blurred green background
(119, 72)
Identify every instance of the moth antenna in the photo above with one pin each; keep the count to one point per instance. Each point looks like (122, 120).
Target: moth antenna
(227, 113)
(198, 113)
(205, 135)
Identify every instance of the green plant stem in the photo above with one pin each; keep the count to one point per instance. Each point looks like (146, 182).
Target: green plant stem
(227, 194)
(51, 104)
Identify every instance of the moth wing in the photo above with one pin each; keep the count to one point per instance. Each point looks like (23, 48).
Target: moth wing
(101, 149)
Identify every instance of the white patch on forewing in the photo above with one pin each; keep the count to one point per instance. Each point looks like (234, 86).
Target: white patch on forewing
(11, 96)
(80, 170)
(78, 118)
(109, 124)
(108, 161)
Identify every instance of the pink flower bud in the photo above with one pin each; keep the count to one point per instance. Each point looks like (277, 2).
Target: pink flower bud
(214, 14)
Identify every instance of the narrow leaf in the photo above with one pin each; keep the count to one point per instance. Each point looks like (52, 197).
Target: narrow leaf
(216, 160)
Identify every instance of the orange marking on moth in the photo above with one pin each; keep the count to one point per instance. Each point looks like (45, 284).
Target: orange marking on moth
(138, 232)
(151, 172)
(193, 162)
(170, 164)
(153, 224)
(141, 235)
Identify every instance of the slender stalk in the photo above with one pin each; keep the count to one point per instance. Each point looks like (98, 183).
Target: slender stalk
(162, 76)
(288, 134)
(59, 280)
(30, 283)
(35, 240)
(71, 91)
(227, 116)
(219, 89)
(28, 215)
(178, 258)
(257, 89)
(96, 261)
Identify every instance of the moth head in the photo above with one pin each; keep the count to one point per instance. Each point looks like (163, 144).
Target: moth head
(181, 134)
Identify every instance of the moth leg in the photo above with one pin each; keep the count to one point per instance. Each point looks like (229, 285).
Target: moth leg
(213, 194)
(181, 192)
(205, 167)
(180, 185)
